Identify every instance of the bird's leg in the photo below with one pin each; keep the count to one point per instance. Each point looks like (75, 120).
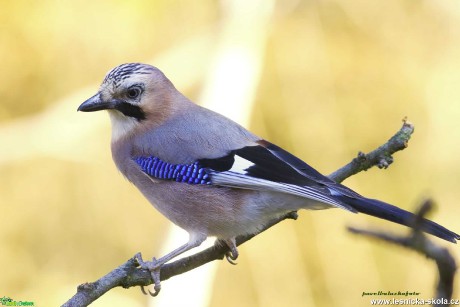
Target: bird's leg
(231, 255)
(155, 265)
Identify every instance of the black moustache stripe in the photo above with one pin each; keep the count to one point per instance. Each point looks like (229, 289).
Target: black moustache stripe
(130, 110)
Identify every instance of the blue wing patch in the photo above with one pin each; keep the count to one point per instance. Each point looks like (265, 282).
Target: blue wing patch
(189, 173)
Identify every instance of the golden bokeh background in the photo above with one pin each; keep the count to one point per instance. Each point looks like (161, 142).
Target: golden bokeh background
(335, 77)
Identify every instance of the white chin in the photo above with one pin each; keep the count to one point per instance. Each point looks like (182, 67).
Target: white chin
(121, 125)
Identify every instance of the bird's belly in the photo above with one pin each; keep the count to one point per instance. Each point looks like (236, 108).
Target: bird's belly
(210, 210)
(218, 211)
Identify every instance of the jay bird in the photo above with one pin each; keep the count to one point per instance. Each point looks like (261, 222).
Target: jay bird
(206, 173)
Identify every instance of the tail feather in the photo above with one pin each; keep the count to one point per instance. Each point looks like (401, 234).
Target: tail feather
(397, 215)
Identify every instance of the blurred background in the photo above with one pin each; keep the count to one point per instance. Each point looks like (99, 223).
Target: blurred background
(323, 79)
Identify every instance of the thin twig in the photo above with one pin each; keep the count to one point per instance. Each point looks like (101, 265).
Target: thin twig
(129, 275)
(380, 157)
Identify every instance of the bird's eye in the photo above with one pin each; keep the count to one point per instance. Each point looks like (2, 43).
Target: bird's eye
(134, 92)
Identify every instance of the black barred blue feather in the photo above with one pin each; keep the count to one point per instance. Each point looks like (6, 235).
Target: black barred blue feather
(189, 173)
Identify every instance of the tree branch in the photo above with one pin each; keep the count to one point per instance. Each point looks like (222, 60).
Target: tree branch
(417, 241)
(381, 157)
(129, 275)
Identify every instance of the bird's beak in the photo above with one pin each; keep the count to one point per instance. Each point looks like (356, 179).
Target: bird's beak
(95, 103)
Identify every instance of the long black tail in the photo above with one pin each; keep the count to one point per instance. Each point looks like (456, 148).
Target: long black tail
(391, 213)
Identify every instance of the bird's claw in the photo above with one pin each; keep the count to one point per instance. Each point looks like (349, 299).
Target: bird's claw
(232, 254)
(154, 268)
(231, 258)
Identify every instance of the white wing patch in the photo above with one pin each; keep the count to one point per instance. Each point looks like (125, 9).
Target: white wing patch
(240, 165)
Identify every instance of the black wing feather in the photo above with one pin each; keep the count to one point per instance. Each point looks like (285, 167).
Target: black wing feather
(307, 171)
(268, 171)
(269, 167)
(273, 168)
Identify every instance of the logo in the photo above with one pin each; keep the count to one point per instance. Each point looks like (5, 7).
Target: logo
(8, 301)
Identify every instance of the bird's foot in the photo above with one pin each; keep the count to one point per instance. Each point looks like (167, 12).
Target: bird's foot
(154, 268)
(232, 254)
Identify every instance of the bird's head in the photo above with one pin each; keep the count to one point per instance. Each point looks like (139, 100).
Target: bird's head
(134, 94)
